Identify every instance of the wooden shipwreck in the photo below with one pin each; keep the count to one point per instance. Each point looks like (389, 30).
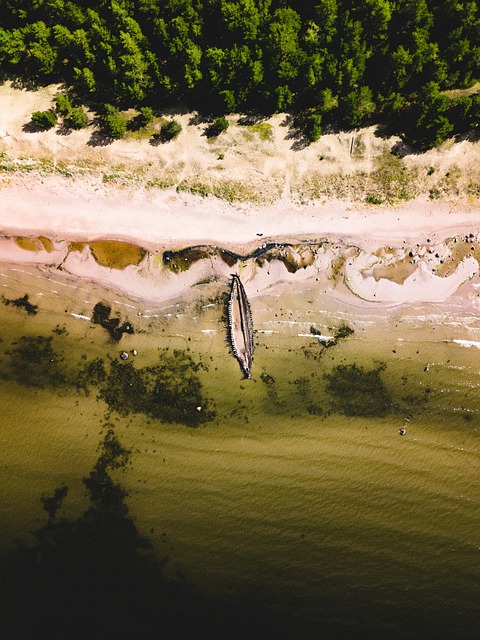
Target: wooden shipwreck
(240, 326)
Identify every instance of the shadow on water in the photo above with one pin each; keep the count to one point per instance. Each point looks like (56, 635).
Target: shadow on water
(98, 577)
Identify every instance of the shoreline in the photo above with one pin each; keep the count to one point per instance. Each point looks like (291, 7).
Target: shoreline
(387, 256)
(384, 254)
(61, 209)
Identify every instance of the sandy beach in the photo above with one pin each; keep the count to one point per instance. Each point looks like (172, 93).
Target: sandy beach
(416, 244)
(63, 189)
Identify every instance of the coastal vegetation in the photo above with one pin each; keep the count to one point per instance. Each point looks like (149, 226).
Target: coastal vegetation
(331, 63)
(170, 130)
(44, 119)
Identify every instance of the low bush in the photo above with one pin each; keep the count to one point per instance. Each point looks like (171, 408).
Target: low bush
(218, 126)
(76, 119)
(170, 130)
(113, 124)
(44, 119)
(62, 104)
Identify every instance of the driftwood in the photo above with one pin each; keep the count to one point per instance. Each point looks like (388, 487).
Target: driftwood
(240, 326)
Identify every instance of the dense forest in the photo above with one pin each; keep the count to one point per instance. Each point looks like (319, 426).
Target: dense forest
(329, 62)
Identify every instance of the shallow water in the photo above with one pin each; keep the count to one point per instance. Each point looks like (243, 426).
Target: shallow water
(281, 503)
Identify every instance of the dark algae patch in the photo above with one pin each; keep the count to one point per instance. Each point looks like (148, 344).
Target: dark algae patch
(125, 389)
(101, 316)
(35, 363)
(356, 391)
(92, 373)
(339, 333)
(182, 259)
(22, 303)
(170, 391)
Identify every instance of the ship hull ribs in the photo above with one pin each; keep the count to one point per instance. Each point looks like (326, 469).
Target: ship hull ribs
(240, 326)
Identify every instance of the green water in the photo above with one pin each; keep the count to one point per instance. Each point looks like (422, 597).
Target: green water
(281, 508)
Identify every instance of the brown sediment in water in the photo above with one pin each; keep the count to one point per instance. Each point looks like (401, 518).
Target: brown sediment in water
(35, 244)
(240, 326)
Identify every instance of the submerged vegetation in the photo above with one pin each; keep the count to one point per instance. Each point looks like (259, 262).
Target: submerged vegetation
(356, 391)
(170, 391)
(101, 316)
(35, 363)
(22, 303)
(339, 333)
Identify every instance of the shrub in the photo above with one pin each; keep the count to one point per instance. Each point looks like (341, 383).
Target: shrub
(113, 124)
(44, 119)
(63, 104)
(145, 116)
(218, 126)
(76, 119)
(170, 130)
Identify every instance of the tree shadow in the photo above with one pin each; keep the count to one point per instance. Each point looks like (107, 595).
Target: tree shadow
(63, 130)
(98, 576)
(250, 119)
(99, 139)
(199, 119)
(300, 141)
(401, 149)
(157, 139)
(469, 136)
(25, 82)
(31, 127)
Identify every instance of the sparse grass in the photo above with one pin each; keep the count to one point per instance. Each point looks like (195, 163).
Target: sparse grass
(229, 190)
(64, 170)
(159, 183)
(263, 129)
(393, 180)
(373, 199)
(390, 181)
(121, 178)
